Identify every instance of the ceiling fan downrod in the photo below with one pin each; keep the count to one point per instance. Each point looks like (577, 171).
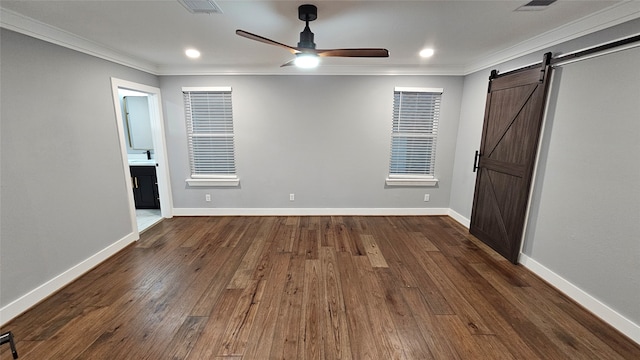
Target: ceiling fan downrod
(307, 13)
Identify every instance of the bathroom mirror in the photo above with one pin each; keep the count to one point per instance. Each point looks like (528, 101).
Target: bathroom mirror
(136, 111)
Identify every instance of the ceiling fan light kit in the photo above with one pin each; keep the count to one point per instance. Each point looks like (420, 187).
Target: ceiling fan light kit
(307, 56)
(306, 61)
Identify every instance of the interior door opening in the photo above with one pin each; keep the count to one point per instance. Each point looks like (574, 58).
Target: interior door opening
(141, 156)
(142, 143)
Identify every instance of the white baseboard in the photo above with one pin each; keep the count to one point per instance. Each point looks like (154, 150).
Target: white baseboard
(459, 218)
(601, 310)
(308, 211)
(43, 291)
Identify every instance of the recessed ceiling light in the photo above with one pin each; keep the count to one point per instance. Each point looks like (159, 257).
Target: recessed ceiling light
(425, 53)
(192, 53)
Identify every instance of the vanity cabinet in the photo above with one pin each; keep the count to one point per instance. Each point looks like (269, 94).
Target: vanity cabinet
(145, 187)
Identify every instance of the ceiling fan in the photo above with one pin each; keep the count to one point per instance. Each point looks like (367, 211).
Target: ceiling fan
(306, 53)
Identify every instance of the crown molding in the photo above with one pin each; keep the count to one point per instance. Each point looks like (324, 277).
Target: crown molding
(14, 21)
(614, 15)
(611, 16)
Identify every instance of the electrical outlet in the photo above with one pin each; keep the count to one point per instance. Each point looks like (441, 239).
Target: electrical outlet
(207, 197)
(292, 197)
(426, 197)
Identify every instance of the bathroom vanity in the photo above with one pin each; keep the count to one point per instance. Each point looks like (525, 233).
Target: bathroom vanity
(145, 186)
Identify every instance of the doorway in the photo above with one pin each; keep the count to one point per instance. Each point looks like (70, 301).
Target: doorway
(143, 147)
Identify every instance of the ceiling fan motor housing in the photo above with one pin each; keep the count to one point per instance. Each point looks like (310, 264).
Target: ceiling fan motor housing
(306, 39)
(307, 13)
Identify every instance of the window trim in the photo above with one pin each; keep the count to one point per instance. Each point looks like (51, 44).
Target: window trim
(412, 179)
(217, 180)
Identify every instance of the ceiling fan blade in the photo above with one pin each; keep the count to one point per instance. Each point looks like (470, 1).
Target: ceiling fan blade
(288, 63)
(261, 39)
(361, 52)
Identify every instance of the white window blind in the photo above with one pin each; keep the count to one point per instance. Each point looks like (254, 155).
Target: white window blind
(416, 112)
(210, 135)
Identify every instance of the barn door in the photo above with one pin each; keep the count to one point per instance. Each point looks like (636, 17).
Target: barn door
(512, 122)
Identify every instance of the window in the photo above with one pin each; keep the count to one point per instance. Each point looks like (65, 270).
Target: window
(210, 136)
(416, 112)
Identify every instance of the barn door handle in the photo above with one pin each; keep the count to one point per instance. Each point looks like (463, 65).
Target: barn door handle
(475, 161)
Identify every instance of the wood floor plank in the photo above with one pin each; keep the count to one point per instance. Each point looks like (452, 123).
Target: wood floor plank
(337, 344)
(345, 236)
(262, 334)
(501, 324)
(382, 326)
(527, 330)
(313, 287)
(70, 340)
(272, 244)
(611, 337)
(245, 270)
(311, 342)
(236, 334)
(399, 264)
(327, 232)
(148, 309)
(459, 303)
(439, 342)
(226, 266)
(186, 336)
(373, 251)
(309, 244)
(209, 342)
(406, 248)
(423, 242)
(363, 343)
(287, 234)
(461, 338)
(413, 342)
(288, 323)
(494, 348)
(554, 324)
(161, 313)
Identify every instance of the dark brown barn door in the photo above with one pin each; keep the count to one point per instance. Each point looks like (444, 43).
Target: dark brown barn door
(512, 122)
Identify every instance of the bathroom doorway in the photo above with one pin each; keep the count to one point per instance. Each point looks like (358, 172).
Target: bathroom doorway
(142, 143)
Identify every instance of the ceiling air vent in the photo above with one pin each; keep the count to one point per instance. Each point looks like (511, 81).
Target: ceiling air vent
(535, 5)
(201, 6)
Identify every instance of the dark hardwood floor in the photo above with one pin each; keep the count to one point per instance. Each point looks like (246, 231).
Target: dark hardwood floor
(311, 288)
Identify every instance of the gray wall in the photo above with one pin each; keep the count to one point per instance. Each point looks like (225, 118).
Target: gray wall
(583, 223)
(585, 213)
(63, 193)
(469, 133)
(324, 138)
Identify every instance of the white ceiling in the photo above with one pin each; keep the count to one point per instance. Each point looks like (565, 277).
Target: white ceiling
(152, 35)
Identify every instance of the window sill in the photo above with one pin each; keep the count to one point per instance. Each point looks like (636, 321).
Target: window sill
(226, 182)
(411, 182)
